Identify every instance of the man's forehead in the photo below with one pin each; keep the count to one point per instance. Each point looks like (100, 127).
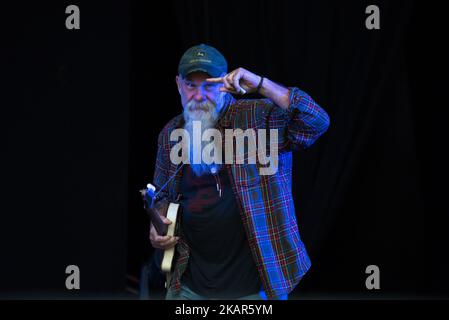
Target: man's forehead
(197, 76)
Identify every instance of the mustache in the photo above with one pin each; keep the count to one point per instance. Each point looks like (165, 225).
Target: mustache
(204, 106)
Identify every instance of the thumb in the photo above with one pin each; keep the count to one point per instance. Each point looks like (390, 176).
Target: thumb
(165, 220)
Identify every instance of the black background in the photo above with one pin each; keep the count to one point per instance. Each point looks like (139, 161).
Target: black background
(82, 109)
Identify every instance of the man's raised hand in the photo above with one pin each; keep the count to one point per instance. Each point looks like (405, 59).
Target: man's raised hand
(238, 81)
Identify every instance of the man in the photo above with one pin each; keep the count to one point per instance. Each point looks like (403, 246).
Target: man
(238, 235)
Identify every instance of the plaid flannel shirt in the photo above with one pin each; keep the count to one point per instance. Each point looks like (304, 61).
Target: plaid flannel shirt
(265, 201)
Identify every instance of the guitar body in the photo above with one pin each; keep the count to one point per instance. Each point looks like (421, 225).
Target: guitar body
(172, 215)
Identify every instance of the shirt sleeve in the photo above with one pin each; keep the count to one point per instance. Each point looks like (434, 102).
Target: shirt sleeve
(304, 121)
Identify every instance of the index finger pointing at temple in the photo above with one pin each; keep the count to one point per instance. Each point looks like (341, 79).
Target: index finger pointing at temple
(215, 80)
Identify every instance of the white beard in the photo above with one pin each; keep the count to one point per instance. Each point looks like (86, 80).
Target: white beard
(208, 117)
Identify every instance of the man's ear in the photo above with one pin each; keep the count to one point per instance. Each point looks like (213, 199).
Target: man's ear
(178, 83)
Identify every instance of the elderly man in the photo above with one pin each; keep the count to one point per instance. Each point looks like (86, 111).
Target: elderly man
(238, 235)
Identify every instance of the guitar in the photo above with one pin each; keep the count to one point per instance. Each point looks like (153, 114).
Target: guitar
(155, 210)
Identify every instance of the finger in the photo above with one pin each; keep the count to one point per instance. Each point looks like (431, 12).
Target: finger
(164, 246)
(227, 83)
(215, 80)
(170, 242)
(154, 236)
(236, 83)
(158, 238)
(153, 232)
(223, 89)
(170, 245)
(165, 220)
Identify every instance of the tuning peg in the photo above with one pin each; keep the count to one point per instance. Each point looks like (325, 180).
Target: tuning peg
(151, 187)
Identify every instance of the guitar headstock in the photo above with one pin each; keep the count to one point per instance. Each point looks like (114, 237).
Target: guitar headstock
(148, 195)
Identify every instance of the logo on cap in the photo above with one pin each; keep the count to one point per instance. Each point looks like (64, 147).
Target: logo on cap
(202, 58)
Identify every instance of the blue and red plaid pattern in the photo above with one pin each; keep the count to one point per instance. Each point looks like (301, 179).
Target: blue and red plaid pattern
(265, 201)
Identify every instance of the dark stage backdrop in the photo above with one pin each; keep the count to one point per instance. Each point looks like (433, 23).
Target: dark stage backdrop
(82, 110)
(371, 190)
(64, 163)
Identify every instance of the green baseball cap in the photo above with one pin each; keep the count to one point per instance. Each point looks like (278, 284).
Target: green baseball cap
(202, 58)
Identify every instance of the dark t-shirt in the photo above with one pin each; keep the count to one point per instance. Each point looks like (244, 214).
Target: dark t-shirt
(220, 263)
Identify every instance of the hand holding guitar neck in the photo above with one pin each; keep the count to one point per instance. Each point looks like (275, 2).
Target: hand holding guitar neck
(159, 236)
(156, 210)
(162, 242)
